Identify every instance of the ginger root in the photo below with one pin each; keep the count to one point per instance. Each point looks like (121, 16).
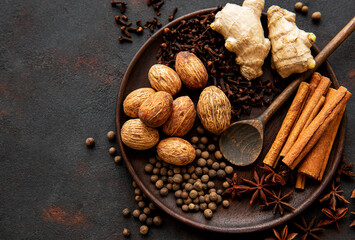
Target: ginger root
(244, 35)
(290, 46)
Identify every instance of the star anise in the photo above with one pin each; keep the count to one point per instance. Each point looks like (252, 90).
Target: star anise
(272, 176)
(345, 169)
(334, 195)
(283, 235)
(309, 229)
(353, 222)
(259, 186)
(279, 202)
(334, 217)
(232, 190)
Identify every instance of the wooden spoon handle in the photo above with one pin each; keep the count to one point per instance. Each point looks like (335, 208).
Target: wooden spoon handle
(320, 58)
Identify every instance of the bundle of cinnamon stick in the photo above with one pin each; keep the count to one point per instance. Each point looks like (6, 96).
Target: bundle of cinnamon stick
(308, 131)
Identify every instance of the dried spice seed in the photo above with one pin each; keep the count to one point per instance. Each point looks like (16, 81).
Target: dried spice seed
(90, 142)
(126, 212)
(112, 150)
(117, 159)
(208, 213)
(126, 232)
(144, 230)
(136, 213)
(316, 16)
(212, 206)
(204, 140)
(222, 165)
(111, 136)
(298, 6)
(141, 204)
(200, 130)
(157, 221)
(148, 168)
(228, 170)
(225, 203)
(142, 218)
(211, 147)
(218, 155)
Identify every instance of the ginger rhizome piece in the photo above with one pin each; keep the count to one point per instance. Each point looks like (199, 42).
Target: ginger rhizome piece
(244, 35)
(290, 46)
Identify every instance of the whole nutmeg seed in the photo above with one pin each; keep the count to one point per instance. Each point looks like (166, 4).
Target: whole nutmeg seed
(176, 151)
(134, 100)
(156, 109)
(135, 134)
(164, 78)
(182, 118)
(214, 110)
(191, 70)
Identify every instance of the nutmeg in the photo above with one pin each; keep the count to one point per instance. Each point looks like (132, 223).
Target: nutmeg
(214, 110)
(176, 151)
(135, 134)
(156, 109)
(134, 100)
(191, 70)
(164, 78)
(182, 118)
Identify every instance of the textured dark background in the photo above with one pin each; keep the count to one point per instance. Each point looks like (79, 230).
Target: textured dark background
(60, 70)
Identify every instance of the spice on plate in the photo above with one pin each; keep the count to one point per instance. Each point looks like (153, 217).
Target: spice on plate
(90, 142)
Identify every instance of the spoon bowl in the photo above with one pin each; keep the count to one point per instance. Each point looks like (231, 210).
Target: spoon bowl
(242, 143)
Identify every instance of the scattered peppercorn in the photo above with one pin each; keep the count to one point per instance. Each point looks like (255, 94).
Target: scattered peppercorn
(304, 9)
(152, 206)
(149, 221)
(185, 208)
(222, 165)
(208, 213)
(159, 184)
(205, 178)
(136, 213)
(211, 147)
(90, 142)
(228, 169)
(226, 184)
(218, 155)
(225, 203)
(194, 139)
(117, 159)
(112, 150)
(212, 206)
(148, 168)
(164, 192)
(141, 204)
(126, 212)
(111, 135)
(221, 173)
(142, 218)
(200, 130)
(298, 6)
(316, 16)
(198, 152)
(126, 232)
(204, 140)
(144, 230)
(205, 154)
(157, 221)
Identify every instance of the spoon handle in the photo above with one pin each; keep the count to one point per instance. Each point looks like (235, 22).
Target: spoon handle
(320, 58)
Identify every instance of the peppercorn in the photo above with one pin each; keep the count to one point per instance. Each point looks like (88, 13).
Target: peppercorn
(151, 206)
(187, 201)
(193, 194)
(226, 184)
(141, 204)
(164, 178)
(164, 192)
(155, 171)
(194, 139)
(304, 9)
(137, 191)
(213, 196)
(117, 159)
(186, 176)
(138, 198)
(212, 206)
(205, 154)
(169, 186)
(200, 130)
(225, 203)
(222, 165)
(152, 160)
(159, 184)
(142, 218)
(198, 186)
(148, 168)
(198, 171)
(144, 230)
(209, 162)
(126, 212)
(188, 187)
(149, 221)
(221, 173)
(154, 178)
(211, 190)
(201, 199)
(208, 213)
(196, 208)
(179, 201)
(219, 198)
(111, 135)
(190, 169)
(126, 232)
(201, 162)
(194, 176)
(158, 164)
(136, 213)
(185, 208)
(176, 170)
(210, 184)
(298, 6)
(316, 16)
(205, 178)
(215, 166)
(90, 142)
(157, 221)
(112, 150)
(146, 210)
(207, 198)
(191, 206)
(211, 147)
(192, 181)
(204, 140)
(198, 152)
(228, 169)
(201, 193)
(212, 173)
(218, 155)
(134, 184)
(205, 170)
(184, 194)
(176, 186)
(177, 194)
(177, 178)
(203, 206)
(201, 147)
(170, 172)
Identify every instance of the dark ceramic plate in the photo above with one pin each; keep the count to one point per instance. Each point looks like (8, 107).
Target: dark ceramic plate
(240, 217)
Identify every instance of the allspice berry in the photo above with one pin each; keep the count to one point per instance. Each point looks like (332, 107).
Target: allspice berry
(143, 217)
(225, 203)
(136, 213)
(125, 212)
(229, 170)
(157, 221)
(126, 232)
(298, 6)
(208, 213)
(90, 142)
(112, 150)
(218, 155)
(117, 159)
(304, 9)
(111, 135)
(316, 16)
(144, 230)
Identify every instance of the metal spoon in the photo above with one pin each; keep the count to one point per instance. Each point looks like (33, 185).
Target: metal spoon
(242, 142)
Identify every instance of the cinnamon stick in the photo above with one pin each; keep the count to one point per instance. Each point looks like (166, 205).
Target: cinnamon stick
(316, 160)
(314, 82)
(308, 138)
(300, 181)
(272, 156)
(315, 111)
(307, 111)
